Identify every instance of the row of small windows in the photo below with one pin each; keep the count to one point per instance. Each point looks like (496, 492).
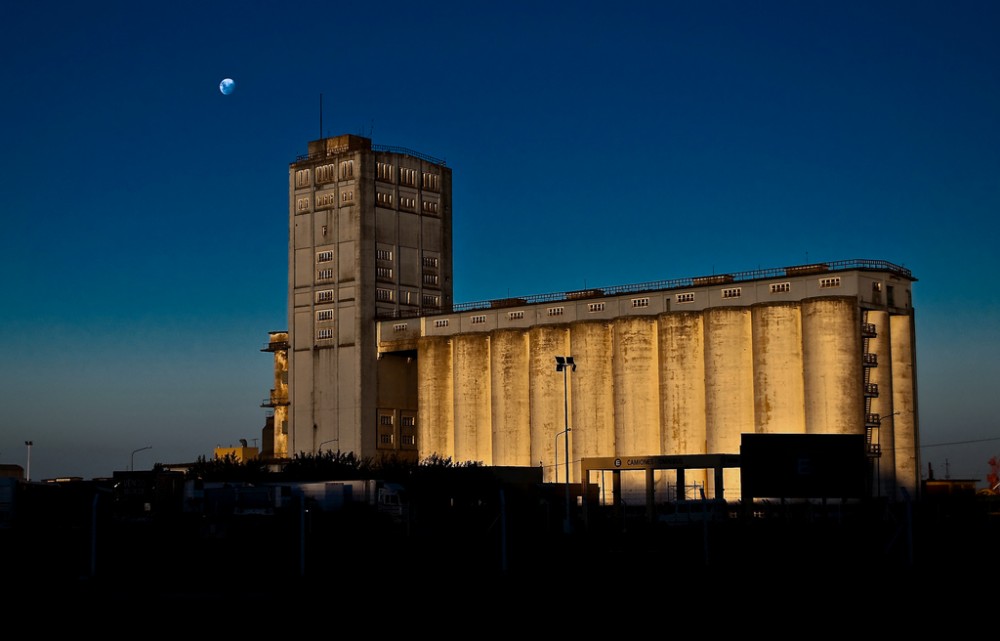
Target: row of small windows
(732, 292)
(640, 302)
(399, 327)
(595, 307)
(555, 311)
(324, 256)
(383, 254)
(515, 315)
(476, 320)
(441, 323)
(324, 296)
(404, 421)
(383, 273)
(324, 333)
(324, 274)
(324, 315)
(385, 295)
(431, 279)
(430, 261)
(832, 281)
(407, 176)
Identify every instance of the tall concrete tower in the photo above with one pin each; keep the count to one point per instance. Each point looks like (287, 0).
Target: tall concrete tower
(370, 238)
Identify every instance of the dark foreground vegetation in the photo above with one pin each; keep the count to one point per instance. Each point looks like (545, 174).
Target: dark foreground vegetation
(229, 532)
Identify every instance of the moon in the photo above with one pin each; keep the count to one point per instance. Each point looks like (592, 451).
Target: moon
(227, 86)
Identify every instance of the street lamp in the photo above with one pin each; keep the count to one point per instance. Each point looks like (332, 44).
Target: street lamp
(319, 450)
(132, 466)
(563, 364)
(28, 472)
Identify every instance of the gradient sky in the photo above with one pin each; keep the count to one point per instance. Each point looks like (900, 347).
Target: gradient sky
(145, 214)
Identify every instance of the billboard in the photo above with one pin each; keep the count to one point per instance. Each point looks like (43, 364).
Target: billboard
(806, 466)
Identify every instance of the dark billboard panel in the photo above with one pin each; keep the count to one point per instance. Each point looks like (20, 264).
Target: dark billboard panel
(805, 466)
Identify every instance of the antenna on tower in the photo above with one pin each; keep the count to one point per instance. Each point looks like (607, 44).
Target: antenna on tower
(321, 115)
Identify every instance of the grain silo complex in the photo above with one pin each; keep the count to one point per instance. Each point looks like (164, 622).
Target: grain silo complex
(382, 361)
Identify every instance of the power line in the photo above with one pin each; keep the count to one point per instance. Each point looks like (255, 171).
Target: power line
(981, 440)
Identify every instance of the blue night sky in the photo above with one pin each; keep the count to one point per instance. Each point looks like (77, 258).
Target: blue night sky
(592, 144)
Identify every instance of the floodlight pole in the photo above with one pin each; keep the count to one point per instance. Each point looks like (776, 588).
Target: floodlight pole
(563, 364)
(132, 465)
(28, 471)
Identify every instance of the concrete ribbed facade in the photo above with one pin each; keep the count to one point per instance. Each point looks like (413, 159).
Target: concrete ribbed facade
(657, 378)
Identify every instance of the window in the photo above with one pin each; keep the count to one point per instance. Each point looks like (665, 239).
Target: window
(384, 171)
(399, 327)
(347, 196)
(832, 281)
(478, 320)
(640, 302)
(686, 297)
(324, 315)
(346, 169)
(408, 177)
(431, 181)
(302, 204)
(554, 311)
(383, 254)
(407, 421)
(324, 256)
(777, 288)
(429, 207)
(385, 419)
(324, 296)
(515, 315)
(325, 274)
(383, 294)
(407, 203)
(324, 334)
(595, 307)
(431, 279)
(408, 439)
(383, 199)
(325, 174)
(732, 292)
(325, 199)
(385, 439)
(441, 323)
(384, 273)
(429, 300)
(430, 261)
(302, 178)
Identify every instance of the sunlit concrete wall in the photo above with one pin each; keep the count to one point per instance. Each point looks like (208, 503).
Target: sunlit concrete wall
(682, 389)
(832, 371)
(729, 406)
(435, 397)
(677, 382)
(779, 397)
(473, 414)
(593, 407)
(904, 403)
(511, 411)
(547, 398)
(881, 375)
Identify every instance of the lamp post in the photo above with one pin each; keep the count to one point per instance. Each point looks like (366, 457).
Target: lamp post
(132, 465)
(563, 364)
(319, 450)
(28, 471)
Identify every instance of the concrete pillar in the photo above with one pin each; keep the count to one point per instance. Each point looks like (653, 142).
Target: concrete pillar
(729, 398)
(435, 398)
(473, 415)
(511, 400)
(592, 413)
(831, 355)
(779, 400)
(682, 389)
(904, 402)
(546, 393)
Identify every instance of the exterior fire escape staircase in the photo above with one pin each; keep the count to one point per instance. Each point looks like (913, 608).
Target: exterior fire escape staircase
(869, 361)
